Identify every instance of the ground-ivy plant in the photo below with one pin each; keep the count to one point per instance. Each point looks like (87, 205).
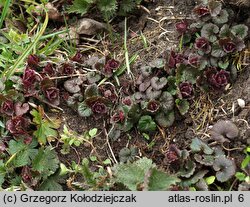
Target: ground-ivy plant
(203, 167)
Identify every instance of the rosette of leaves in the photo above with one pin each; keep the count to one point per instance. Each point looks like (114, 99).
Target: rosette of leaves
(225, 168)
(152, 106)
(93, 103)
(51, 92)
(175, 155)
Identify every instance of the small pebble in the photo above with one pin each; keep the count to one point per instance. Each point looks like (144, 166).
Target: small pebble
(241, 103)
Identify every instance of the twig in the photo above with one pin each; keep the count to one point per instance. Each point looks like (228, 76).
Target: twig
(66, 76)
(50, 104)
(107, 140)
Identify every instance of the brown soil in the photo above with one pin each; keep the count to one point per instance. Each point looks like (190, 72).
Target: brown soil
(158, 29)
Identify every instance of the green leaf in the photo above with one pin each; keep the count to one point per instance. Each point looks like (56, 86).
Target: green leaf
(107, 162)
(222, 18)
(225, 31)
(159, 181)
(157, 63)
(245, 162)
(126, 6)
(127, 154)
(51, 184)
(84, 110)
(197, 145)
(223, 65)
(206, 160)
(46, 128)
(2, 172)
(107, 8)
(80, 6)
(182, 105)
(87, 173)
(93, 132)
(132, 174)
(167, 101)
(21, 154)
(146, 124)
(188, 169)
(240, 31)
(240, 176)
(215, 8)
(199, 175)
(91, 91)
(46, 162)
(225, 168)
(186, 74)
(210, 180)
(209, 31)
(63, 170)
(217, 51)
(93, 158)
(165, 119)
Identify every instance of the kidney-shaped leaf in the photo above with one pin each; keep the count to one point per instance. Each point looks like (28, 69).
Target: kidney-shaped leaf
(225, 168)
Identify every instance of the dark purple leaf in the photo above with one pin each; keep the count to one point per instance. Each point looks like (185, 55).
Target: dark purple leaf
(78, 57)
(202, 44)
(217, 79)
(33, 61)
(181, 27)
(2, 147)
(18, 125)
(29, 78)
(118, 117)
(172, 154)
(7, 107)
(52, 94)
(26, 174)
(49, 70)
(99, 108)
(153, 106)
(194, 60)
(127, 101)
(110, 66)
(175, 59)
(186, 90)
(67, 69)
(228, 45)
(201, 11)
